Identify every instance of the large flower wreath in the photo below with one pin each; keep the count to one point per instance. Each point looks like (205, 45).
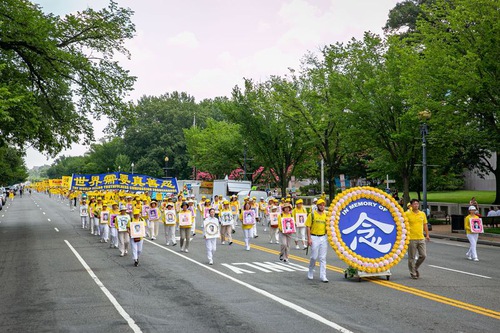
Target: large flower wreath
(353, 259)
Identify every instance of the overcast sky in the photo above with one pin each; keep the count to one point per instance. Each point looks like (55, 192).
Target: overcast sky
(206, 47)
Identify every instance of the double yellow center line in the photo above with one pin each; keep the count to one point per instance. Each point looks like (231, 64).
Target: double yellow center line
(417, 292)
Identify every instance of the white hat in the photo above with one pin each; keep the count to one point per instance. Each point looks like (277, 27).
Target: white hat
(472, 208)
(315, 199)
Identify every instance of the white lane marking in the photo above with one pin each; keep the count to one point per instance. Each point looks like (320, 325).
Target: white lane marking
(267, 294)
(106, 292)
(454, 270)
(57, 230)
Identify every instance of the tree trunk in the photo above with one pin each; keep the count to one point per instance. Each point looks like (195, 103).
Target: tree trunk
(496, 172)
(406, 190)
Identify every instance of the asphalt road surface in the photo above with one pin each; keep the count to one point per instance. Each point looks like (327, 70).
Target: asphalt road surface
(56, 277)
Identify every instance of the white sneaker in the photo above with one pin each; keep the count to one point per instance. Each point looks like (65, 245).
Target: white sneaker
(469, 257)
(182, 250)
(310, 275)
(475, 259)
(324, 280)
(211, 262)
(247, 248)
(270, 242)
(186, 250)
(223, 243)
(297, 247)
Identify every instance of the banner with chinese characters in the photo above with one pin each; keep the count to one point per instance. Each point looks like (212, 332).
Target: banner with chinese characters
(123, 181)
(66, 182)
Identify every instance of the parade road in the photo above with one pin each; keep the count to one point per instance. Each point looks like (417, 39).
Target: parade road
(56, 277)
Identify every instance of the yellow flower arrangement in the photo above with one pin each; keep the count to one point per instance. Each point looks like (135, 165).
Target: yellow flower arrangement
(352, 259)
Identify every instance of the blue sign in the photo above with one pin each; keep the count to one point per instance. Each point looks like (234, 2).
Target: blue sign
(123, 181)
(367, 228)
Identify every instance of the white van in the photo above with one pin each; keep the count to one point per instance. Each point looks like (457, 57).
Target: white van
(258, 194)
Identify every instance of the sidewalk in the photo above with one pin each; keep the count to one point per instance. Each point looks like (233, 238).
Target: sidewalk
(443, 231)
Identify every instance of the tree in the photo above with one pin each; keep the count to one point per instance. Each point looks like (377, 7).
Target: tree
(403, 17)
(274, 142)
(216, 148)
(58, 72)
(12, 167)
(456, 77)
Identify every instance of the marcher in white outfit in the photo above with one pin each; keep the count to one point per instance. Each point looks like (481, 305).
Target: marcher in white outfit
(122, 223)
(170, 220)
(211, 232)
(104, 223)
(137, 242)
(84, 214)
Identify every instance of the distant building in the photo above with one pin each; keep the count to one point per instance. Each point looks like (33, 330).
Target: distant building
(475, 183)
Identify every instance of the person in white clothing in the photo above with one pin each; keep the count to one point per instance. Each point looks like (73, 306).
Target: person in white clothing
(211, 232)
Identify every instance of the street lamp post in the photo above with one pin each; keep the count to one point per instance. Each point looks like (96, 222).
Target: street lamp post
(166, 166)
(424, 130)
(132, 165)
(119, 168)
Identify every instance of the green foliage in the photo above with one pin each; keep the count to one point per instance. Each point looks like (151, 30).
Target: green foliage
(12, 167)
(217, 149)
(57, 72)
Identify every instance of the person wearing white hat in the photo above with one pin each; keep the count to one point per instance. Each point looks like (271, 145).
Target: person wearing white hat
(418, 222)
(471, 236)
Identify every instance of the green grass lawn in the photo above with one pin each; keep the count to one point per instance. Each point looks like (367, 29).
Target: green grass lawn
(492, 230)
(482, 197)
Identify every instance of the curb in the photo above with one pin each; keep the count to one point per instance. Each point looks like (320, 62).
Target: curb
(464, 240)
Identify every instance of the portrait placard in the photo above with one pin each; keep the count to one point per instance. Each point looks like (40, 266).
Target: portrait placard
(137, 229)
(234, 209)
(170, 217)
(122, 222)
(104, 217)
(185, 219)
(145, 211)
(226, 218)
(273, 219)
(476, 225)
(206, 212)
(211, 229)
(130, 208)
(288, 225)
(300, 219)
(248, 217)
(112, 220)
(154, 214)
(84, 210)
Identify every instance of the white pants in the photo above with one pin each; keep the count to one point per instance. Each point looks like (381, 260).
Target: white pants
(300, 235)
(473, 242)
(113, 235)
(211, 245)
(154, 229)
(123, 241)
(273, 235)
(170, 234)
(104, 231)
(136, 248)
(85, 222)
(254, 230)
(193, 228)
(235, 219)
(96, 226)
(247, 234)
(91, 221)
(318, 252)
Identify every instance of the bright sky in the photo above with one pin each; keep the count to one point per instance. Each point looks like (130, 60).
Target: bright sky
(205, 47)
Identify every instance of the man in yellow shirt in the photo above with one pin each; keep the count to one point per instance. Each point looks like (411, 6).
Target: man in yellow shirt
(418, 223)
(317, 240)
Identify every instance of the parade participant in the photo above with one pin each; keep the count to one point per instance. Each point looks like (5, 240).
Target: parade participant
(137, 242)
(235, 208)
(104, 223)
(178, 203)
(154, 218)
(226, 220)
(471, 236)
(317, 241)
(216, 205)
(84, 214)
(247, 224)
(185, 227)
(97, 214)
(417, 222)
(92, 205)
(273, 223)
(122, 223)
(255, 207)
(262, 212)
(170, 220)
(313, 206)
(113, 233)
(199, 211)
(192, 208)
(298, 214)
(205, 211)
(285, 231)
(145, 214)
(129, 203)
(211, 222)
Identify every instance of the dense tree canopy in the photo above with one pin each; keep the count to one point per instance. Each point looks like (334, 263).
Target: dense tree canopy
(58, 72)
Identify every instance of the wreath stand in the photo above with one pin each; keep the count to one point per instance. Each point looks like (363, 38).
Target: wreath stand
(353, 273)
